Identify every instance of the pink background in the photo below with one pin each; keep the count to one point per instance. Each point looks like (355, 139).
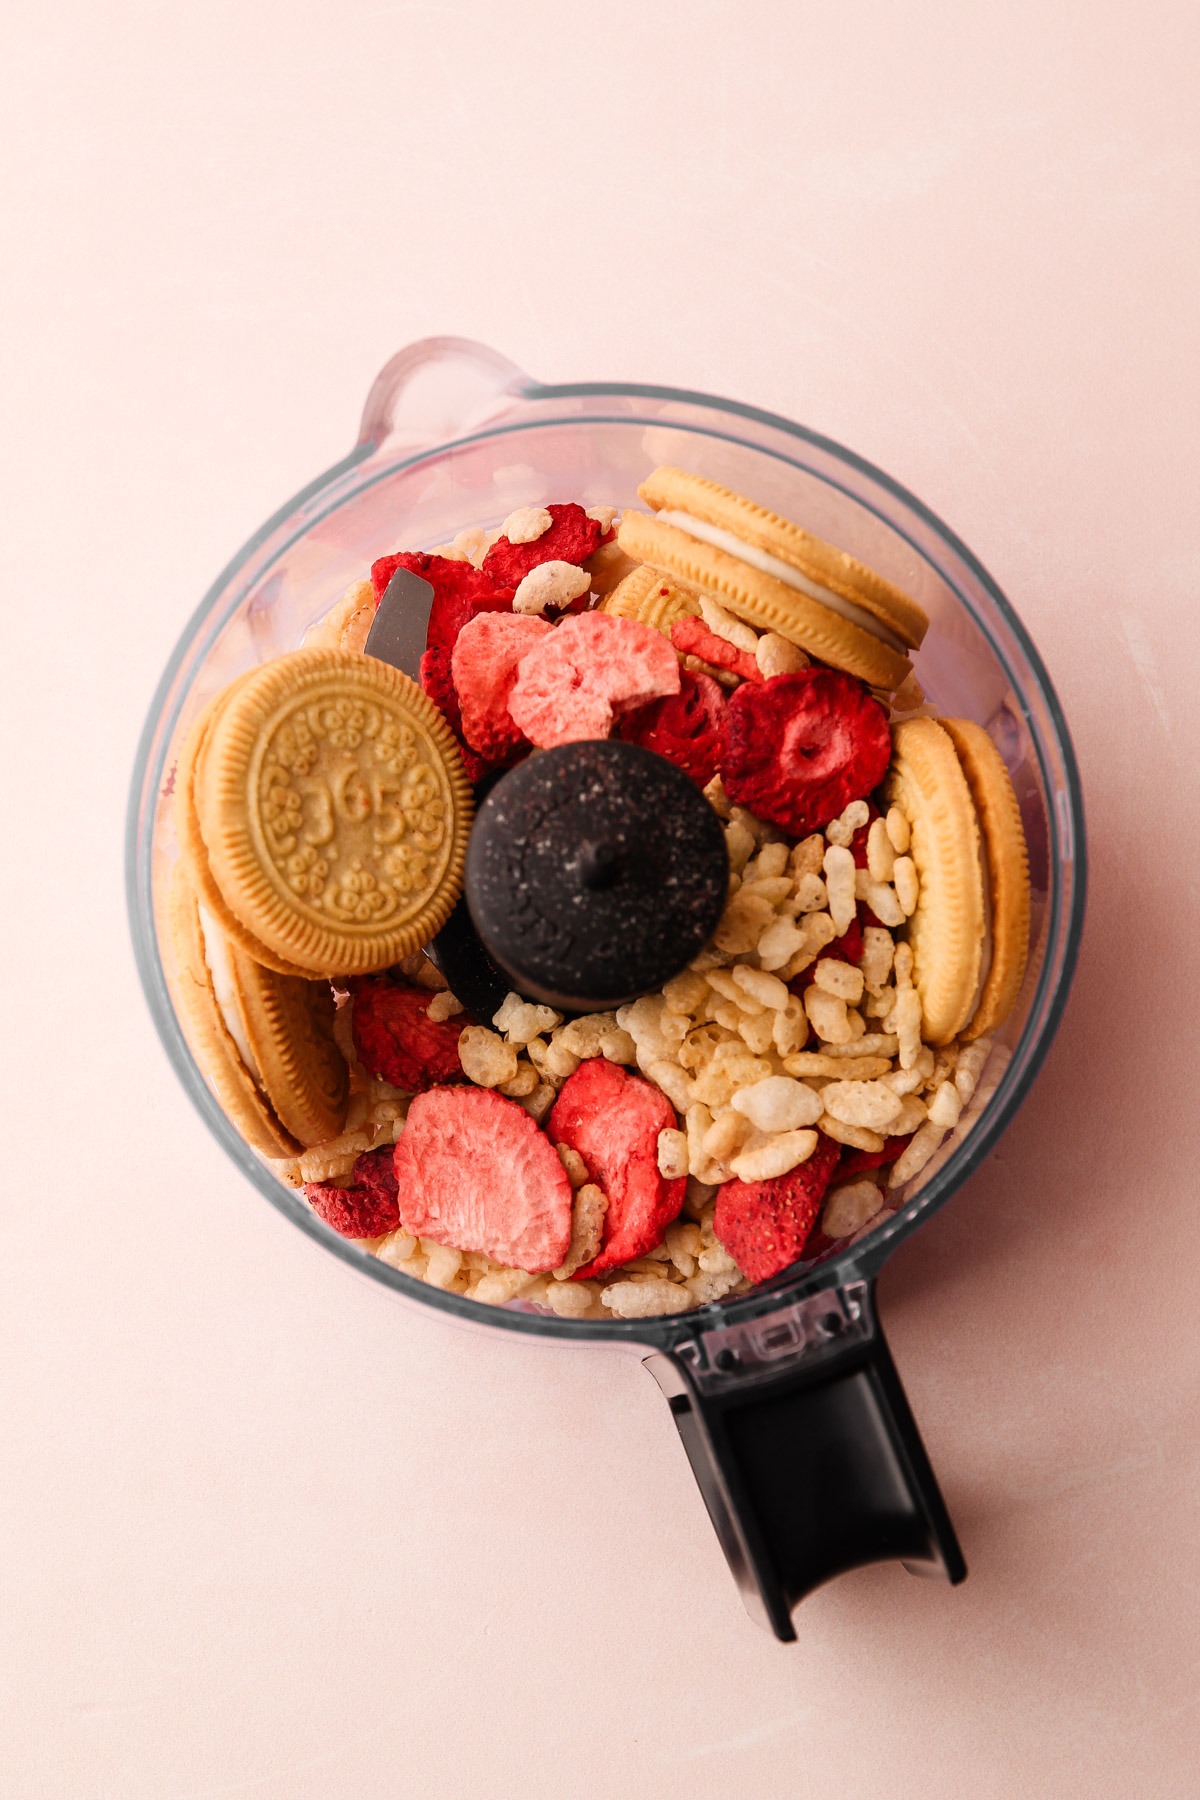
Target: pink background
(265, 1532)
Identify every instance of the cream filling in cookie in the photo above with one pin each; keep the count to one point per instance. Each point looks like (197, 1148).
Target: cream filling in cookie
(771, 565)
(216, 955)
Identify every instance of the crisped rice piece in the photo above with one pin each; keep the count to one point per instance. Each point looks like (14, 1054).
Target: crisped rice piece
(851, 819)
(868, 1103)
(857, 1137)
(907, 1015)
(898, 830)
(776, 1155)
(842, 979)
(840, 885)
(847, 1208)
(828, 1016)
(880, 897)
(881, 852)
(644, 1299)
(778, 1103)
(588, 1209)
(876, 961)
(672, 1153)
(919, 1150)
(871, 1043)
(945, 1106)
(742, 923)
(485, 1057)
(520, 1021)
(812, 1065)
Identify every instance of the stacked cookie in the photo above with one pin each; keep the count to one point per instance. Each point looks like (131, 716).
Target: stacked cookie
(323, 812)
(264, 1040)
(774, 575)
(969, 932)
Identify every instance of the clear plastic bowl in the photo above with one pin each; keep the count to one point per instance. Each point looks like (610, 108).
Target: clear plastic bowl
(453, 434)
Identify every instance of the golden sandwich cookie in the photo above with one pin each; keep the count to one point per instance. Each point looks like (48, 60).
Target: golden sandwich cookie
(647, 596)
(191, 838)
(776, 576)
(327, 810)
(1006, 873)
(969, 931)
(263, 1040)
(832, 569)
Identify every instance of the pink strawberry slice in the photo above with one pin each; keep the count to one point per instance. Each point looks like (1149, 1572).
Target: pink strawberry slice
(572, 683)
(473, 1171)
(484, 668)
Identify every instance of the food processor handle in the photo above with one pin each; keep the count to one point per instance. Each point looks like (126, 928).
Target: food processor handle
(436, 390)
(810, 1469)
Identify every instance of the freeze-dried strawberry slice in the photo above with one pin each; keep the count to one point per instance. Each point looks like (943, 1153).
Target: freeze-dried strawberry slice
(688, 728)
(858, 843)
(473, 1171)
(484, 668)
(692, 637)
(613, 1119)
(396, 1040)
(571, 683)
(460, 590)
(765, 1225)
(438, 681)
(367, 1208)
(802, 746)
(572, 538)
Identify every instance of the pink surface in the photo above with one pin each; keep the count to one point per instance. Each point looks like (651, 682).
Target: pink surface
(267, 1533)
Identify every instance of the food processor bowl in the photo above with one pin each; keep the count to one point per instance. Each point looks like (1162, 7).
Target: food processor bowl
(786, 1399)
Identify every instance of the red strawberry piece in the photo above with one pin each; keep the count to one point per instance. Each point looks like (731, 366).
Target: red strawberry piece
(765, 1225)
(613, 1119)
(571, 683)
(460, 593)
(688, 728)
(365, 1209)
(460, 590)
(848, 947)
(802, 746)
(437, 679)
(484, 668)
(396, 1040)
(572, 538)
(858, 1162)
(473, 1171)
(692, 637)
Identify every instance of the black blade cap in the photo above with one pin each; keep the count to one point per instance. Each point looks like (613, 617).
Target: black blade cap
(595, 872)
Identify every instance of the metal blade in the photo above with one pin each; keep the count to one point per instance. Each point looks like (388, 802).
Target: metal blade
(402, 623)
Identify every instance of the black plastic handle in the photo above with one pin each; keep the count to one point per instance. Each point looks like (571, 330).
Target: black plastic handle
(806, 1452)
